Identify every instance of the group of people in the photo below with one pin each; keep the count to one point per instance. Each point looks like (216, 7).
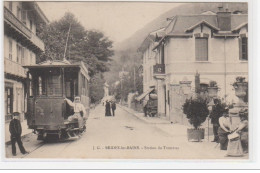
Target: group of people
(110, 105)
(235, 141)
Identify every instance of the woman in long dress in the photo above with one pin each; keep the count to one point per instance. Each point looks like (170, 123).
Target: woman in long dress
(224, 129)
(239, 145)
(108, 111)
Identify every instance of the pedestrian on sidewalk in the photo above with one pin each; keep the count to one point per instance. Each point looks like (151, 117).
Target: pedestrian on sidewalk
(113, 107)
(215, 114)
(145, 107)
(224, 129)
(15, 129)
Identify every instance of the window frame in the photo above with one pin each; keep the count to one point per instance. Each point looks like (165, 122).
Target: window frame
(244, 49)
(19, 13)
(10, 55)
(10, 6)
(199, 59)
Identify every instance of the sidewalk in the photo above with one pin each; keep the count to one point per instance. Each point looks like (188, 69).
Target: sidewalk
(150, 120)
(25, 131)
(179, 132)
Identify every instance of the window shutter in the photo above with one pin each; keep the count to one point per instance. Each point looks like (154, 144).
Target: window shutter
(201, 46)
(240, 48)
(24, 16)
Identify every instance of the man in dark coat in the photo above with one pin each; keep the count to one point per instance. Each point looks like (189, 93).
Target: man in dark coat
(216, 113)
(15, 129)
(113, 107)
(108, 111)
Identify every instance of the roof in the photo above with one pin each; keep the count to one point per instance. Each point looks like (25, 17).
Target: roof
(61, 64)
(185, 23)
(54, 63)
(37, 11)
(152, 37)
(144, 94)
(182, 24)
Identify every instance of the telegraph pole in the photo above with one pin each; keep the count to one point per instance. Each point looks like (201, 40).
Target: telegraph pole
(134, 80)
(64, 56)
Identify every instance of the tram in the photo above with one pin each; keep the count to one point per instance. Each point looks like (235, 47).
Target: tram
(48, 84)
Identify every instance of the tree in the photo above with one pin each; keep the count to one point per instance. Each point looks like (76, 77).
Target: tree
(91, 47)
(96, 88)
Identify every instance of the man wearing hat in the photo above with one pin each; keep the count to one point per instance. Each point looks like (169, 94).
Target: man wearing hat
(15, 129)
(79, 112)
(215, 114)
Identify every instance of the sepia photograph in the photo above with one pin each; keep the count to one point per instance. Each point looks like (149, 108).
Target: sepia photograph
(125, 80)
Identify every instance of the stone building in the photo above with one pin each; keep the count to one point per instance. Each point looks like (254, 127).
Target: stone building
(211, 44)
(21, 47)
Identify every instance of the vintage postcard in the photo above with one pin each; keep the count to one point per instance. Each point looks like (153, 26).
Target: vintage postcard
(126, 80)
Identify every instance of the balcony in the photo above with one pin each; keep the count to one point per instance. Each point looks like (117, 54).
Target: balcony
(159, 71)
(17, 29)
(14, 69)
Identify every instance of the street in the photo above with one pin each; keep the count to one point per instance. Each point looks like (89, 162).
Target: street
(121, 137)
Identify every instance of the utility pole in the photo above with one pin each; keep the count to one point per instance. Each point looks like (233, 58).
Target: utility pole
(134, 80)
(64, 56)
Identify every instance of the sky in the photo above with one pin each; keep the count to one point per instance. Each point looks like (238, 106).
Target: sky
(117, 20)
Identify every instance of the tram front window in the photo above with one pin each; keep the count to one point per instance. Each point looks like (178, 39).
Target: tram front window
(49, 84)
(54, 85)
(41, 85)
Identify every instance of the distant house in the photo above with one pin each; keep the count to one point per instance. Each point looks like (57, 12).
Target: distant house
(214, 45)
(149, 58)
(21, 47)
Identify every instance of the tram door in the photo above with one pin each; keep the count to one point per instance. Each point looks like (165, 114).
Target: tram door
(71, 90)
(48, 102)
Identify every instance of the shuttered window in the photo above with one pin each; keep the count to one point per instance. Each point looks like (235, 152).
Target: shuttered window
(201, 49)
(24, 16)
(11, 6)
(10, 49)
(243, 48)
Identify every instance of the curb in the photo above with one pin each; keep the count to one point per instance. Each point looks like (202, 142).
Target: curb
(22, 137)
(133, 114)
(168, 122)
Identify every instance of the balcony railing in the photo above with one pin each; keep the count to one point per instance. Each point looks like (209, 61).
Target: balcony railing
(14, 68)
(37, 41)
(8, 15)
(159, 69)
(22, 28)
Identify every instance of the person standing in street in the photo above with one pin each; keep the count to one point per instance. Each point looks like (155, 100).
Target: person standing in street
(113, 107)
(108, 111)
(15, 129)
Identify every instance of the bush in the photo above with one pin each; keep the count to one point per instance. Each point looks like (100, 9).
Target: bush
(196, 111)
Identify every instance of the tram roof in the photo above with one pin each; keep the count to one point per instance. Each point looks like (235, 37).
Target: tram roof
(59, 64)
(54, 63)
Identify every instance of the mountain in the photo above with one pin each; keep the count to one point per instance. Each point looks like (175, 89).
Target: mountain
(136, 39)
(126, 52)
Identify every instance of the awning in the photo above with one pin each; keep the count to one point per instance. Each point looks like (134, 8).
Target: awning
(144, 94)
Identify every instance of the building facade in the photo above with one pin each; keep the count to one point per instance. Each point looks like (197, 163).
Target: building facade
(149, 58)
(214, 45)
(21, 47)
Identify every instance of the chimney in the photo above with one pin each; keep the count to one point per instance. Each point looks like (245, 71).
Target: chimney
(224, 19)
